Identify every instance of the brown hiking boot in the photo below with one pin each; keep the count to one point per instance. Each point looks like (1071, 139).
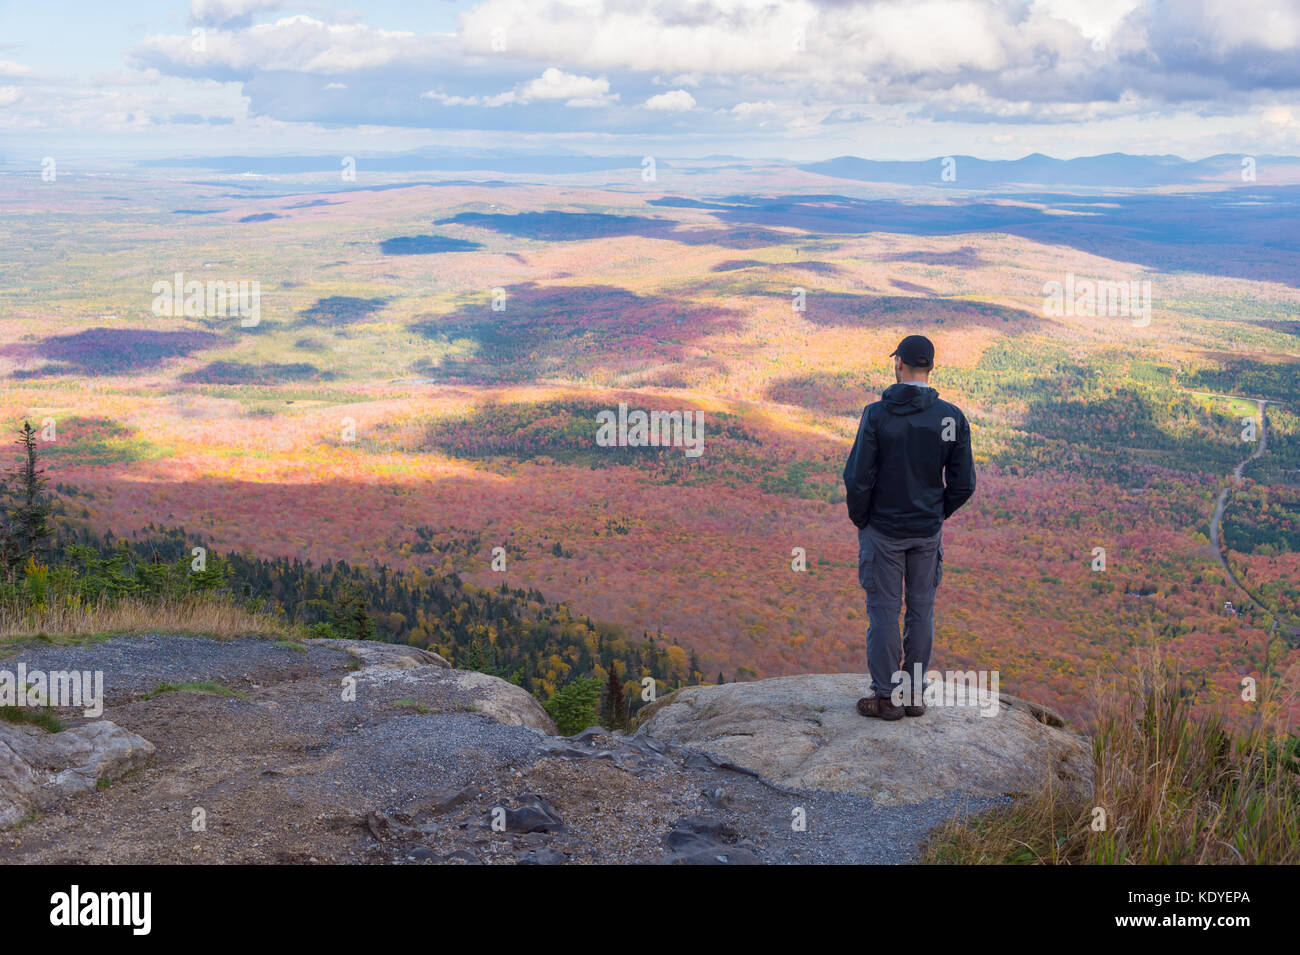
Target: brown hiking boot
(880, 706)
(914, 701)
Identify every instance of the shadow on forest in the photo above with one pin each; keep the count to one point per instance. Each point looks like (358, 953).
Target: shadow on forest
(816, 268)
(578, 226)
(910, 287)
(919, 315)
(106, 351)
(563, 430)
(1277, 380)
(567, 329)
(255, 373)
(1116, 435)
(340, 310)
(1286, 328)
(966, 257)
(425, 245)
(838, 393)
(1241, 233)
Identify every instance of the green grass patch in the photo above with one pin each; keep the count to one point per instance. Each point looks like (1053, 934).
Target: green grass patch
(195, 686)
(412, 704)
(32, 716)
(12, 644)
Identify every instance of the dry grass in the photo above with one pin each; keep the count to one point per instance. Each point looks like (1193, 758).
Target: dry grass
(1174, 789)
(209, 616)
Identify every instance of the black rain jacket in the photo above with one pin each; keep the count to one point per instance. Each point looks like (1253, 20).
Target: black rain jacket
(911, 465)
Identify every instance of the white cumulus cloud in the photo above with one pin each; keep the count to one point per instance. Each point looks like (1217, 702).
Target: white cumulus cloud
(791, 63)
(574, 90)
(672, 101)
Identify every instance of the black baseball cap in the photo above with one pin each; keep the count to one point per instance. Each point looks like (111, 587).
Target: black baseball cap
(915, 350)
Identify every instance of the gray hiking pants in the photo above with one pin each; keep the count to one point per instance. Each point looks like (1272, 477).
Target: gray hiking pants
(885, 566)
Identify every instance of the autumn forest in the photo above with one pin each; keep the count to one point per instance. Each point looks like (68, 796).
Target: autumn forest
(409, 419)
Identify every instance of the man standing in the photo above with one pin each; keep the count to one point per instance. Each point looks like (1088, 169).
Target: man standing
(909, 470)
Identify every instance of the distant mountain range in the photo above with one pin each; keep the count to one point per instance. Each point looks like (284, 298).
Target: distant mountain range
(1111, 169)
(415, 161)
(964, 172)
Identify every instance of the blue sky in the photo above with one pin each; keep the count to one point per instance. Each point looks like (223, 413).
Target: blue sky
(800, 79)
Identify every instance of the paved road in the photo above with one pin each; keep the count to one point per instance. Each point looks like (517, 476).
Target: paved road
(1216, 521)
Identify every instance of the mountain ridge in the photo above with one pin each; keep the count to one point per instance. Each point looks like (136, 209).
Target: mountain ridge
(1106, 169)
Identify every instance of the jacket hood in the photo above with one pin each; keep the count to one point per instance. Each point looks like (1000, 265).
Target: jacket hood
(902, 398)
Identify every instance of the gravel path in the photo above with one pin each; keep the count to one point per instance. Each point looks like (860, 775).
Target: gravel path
(136, 665)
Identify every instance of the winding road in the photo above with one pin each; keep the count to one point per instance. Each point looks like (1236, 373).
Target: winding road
(1216, 521)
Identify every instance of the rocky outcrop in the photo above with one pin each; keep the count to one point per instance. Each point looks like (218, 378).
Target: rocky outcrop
(702, 840)
(374, 653)
(38, 767)
(426, 677)
(804, 732)
(501, 701)
(365, 752)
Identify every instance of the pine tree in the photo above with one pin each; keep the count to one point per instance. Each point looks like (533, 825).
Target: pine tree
(7, 545)
(573, 707)
(474, 658)
(351, 620)
(614, 709)
(28, 525)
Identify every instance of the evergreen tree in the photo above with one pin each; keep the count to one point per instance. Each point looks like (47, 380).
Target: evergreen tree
(350, 618)
(614, 711)
(28, 524)
(573, 707)
(474, 658)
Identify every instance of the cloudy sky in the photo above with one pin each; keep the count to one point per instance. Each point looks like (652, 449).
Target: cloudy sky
(802, 79)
